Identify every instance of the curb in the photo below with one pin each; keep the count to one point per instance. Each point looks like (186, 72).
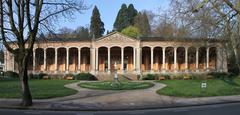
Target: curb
(123, 109)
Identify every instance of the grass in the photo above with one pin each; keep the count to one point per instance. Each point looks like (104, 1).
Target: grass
(192, 88)
(40, 89)
(107, 85)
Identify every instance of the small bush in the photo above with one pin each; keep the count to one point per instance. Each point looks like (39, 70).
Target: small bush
(218, 75)
(85, 76)
(197, 76)
(31, 76)
(11, 74)
(166, 76)
(41, 75)
(149, 77)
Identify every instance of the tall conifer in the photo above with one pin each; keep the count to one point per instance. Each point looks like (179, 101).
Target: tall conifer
(97, 26)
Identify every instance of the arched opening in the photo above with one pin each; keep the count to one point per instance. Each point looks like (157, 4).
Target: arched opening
(73, 59)
(169, 60)
(61, 61)
(85, 59)
(212, 58)
(157, 58)
(115, 57)
(181, 58)
(102, 59)
(191, 59)
(202, 58)
(50, 59)
(128, 59)
(39, 59)
(146, 59)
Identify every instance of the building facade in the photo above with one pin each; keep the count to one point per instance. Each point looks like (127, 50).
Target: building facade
(137, 56)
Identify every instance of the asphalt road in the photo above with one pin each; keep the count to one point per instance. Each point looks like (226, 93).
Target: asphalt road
(218, 109)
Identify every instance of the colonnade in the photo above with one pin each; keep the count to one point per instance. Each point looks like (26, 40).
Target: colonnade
(92, 56)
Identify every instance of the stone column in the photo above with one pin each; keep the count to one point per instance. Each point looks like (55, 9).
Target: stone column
(219, 60)
(122, 59)
(67, 60)
(207, 66)
(56, 60)
(34, 62)
(197, 53)
(134, 59)
(44, 59)
(186, 59)
(138, 60)
(175, 59)
(96, 59)
(79, 59)
(163, 59)
(92, 60)
(109, 60)
(151, 59)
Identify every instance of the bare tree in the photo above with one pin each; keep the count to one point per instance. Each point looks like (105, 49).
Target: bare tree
(21, 21)
(221, 19)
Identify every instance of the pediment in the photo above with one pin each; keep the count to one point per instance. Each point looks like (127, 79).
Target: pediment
(116, 37)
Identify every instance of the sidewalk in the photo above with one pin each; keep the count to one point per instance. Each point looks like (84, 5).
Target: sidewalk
(87, 99)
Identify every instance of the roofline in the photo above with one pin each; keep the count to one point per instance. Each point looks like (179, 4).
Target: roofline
(116, 32)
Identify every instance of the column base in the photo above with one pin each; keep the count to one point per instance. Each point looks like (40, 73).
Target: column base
(197, 70)
(109, 72)
(66, 72)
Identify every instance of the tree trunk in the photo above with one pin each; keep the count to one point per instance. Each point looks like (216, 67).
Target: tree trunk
(26, 94)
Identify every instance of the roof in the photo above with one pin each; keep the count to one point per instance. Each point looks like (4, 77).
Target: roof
(59, 39)
(146, 38)
(190, 39)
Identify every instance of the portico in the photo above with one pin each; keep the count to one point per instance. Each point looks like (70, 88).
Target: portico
(141, 55)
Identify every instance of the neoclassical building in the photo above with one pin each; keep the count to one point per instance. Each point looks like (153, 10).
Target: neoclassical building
(136, 56)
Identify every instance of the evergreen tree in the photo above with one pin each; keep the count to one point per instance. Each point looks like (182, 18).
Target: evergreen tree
(125, 17)
(97, 26)
(121, 21)
(142, 23)
(132, 13)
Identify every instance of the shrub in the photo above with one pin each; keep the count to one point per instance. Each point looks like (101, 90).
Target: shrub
(11, 74)
(218, 75)
(85, 76)
(30, 76)
(197, 76)
(41, 75)
(149, 77)
(166, 76)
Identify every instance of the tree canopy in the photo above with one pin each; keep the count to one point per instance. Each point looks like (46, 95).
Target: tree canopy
(125, 17)
(142, 23)
(131, 31)
(97, 26)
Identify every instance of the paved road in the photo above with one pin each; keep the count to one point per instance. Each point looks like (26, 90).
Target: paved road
(219, 109)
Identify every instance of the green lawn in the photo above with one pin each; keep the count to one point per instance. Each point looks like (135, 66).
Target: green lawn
(192, 88)
(40, 89)
(106, 85)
